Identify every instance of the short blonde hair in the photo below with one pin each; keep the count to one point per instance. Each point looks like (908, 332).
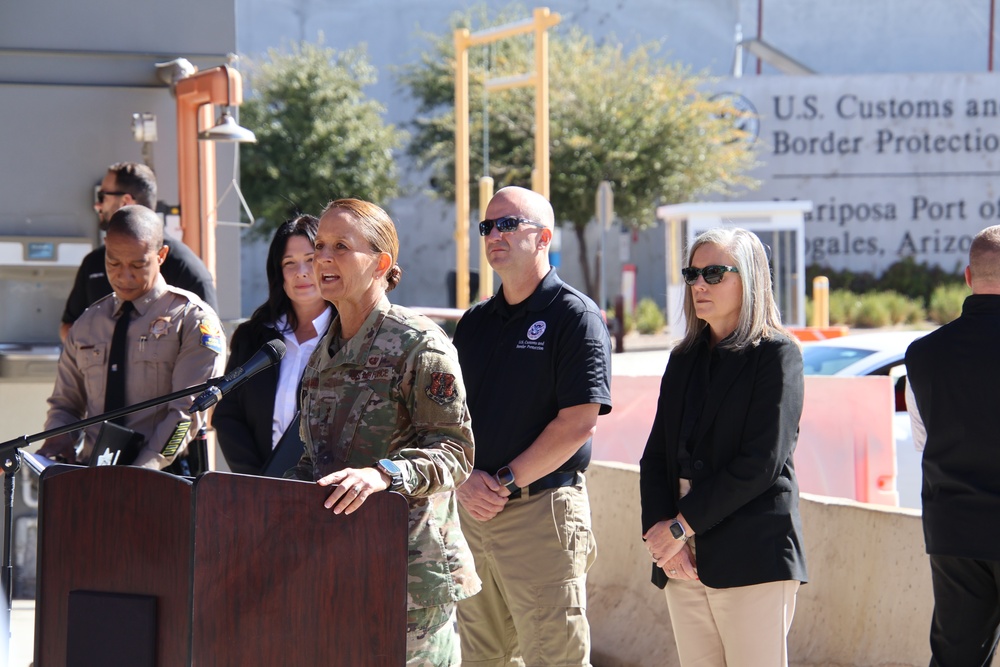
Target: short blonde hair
(984, 256)
(759, 317)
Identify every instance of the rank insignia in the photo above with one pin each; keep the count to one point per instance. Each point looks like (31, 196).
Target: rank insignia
(441, 390)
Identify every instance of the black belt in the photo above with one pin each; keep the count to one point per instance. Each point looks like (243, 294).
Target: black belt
(553, 480)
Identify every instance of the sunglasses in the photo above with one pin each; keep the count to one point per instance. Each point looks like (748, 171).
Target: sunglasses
(712, 274)
(508, 223)
(101, 194)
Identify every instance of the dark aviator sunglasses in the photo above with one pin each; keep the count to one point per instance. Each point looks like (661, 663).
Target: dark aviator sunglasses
(101, 194)
(712, 274)
(507, 223)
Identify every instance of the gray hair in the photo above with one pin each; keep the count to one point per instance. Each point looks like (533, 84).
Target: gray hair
(759, 317)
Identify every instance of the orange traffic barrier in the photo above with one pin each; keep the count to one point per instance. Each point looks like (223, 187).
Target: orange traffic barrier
(806, 334)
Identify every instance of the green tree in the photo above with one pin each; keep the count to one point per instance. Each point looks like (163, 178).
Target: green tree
(318, 135)
(630, 118)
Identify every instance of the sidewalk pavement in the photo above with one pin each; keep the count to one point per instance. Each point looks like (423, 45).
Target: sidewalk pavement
(22, 633)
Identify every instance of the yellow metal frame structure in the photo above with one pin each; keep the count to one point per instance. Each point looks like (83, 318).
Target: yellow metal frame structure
(542, 19)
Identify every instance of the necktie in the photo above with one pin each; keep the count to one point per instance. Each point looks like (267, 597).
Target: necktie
(114, 394)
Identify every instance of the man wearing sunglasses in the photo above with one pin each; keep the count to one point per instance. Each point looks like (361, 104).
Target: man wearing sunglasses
(536, 360)
(132, 183)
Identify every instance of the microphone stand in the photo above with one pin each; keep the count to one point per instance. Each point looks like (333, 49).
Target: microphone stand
(10, 462)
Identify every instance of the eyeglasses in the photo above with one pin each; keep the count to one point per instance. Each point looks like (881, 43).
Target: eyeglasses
(101, 194)
(507, 223)
(712, 274)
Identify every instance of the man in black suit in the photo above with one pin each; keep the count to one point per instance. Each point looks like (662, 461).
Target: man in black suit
(132, 183)
(953, 407)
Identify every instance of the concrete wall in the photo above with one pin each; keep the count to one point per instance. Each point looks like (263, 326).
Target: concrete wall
(868, 603)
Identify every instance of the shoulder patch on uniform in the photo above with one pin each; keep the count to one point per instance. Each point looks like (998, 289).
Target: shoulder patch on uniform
(211, 336)
(441, 390)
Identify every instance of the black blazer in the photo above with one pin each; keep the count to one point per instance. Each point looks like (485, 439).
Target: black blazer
(744, 498)
(243, 418)
(953, 372)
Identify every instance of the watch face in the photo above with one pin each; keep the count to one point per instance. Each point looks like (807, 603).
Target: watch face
(389, 467)
(677, 530)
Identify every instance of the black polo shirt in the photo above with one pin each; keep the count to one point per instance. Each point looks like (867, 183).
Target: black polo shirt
(182, 268)
(522, 365)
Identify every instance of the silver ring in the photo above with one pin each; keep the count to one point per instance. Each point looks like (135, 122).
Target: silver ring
(357, 490)
(672, 571)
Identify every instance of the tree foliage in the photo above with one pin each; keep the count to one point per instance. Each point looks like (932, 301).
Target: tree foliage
(626, 117)
(318, 136)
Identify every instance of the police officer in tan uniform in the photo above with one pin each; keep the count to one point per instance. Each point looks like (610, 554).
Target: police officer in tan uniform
(174, 341)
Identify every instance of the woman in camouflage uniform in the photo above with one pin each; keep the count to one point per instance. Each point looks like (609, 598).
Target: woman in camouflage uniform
(383, 407)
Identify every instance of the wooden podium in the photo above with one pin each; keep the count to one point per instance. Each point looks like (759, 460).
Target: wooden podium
(223, 570)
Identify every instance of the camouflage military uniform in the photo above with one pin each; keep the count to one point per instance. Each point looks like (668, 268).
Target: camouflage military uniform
(395, 390)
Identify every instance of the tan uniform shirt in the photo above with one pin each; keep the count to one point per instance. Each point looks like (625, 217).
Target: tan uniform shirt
(175, 341)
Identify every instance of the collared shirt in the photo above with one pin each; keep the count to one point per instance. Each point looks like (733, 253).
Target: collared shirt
(175, 341)
(522, 365)
(286, 396)
(395, 390)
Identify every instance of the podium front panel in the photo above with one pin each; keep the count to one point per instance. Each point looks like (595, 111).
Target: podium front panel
(114, 529)
(281, 580)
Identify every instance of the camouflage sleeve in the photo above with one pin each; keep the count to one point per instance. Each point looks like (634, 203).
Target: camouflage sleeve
(441, 454)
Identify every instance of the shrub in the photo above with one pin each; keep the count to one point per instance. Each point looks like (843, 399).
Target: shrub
(843, 307)
(873, 311)
(912, 280)
(903, 310)
(946, 302)
(649, 318)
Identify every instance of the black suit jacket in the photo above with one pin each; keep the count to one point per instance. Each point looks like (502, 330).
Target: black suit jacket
(744, 498)
(243, 418)
(953, 372)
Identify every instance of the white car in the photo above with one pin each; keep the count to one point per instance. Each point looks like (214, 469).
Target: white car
(880, 353)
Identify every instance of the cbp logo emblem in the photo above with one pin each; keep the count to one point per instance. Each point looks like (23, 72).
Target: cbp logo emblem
(536, 330)
(441, 390)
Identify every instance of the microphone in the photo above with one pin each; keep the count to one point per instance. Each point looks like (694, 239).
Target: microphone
(268, 355)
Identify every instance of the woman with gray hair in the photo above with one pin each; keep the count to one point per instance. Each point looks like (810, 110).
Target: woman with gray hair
(717, 469)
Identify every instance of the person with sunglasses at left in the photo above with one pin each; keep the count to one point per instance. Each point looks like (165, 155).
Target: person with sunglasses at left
(720, 500)
(123, 184)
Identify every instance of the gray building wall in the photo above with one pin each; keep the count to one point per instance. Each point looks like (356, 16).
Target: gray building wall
(71, 76)
(848, 37)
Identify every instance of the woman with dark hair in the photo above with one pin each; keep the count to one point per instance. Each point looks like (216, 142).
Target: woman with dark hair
(720, 501)
(251, 420)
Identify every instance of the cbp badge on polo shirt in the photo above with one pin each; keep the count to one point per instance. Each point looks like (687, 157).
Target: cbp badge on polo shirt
(535, 332)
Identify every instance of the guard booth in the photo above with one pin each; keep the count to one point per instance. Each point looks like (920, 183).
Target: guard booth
(780, 225)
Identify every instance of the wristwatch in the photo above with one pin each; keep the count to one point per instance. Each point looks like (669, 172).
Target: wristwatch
(677, 530)
(505, 477)
(393, 472)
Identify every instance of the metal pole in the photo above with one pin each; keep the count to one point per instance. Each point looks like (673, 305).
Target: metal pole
(461, 169)
(485, 270)
(542, 99)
